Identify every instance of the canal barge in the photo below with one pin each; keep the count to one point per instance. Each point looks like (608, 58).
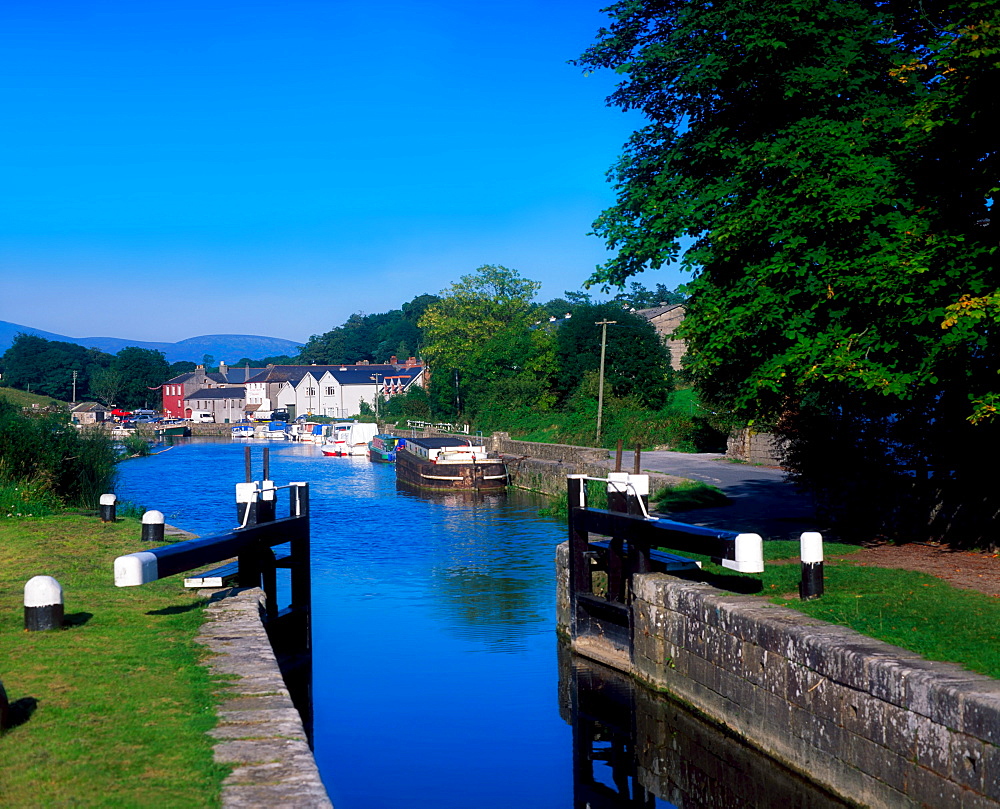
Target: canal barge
(383, 447)
(449, 464)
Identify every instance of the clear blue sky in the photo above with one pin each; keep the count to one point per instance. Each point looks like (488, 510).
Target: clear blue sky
(170, 169)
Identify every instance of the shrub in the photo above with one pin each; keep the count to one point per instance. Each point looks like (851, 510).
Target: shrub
(47, 454)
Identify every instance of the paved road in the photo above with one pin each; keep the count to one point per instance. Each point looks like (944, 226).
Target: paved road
(763, 502)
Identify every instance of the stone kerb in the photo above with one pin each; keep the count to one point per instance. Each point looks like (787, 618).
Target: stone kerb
(869, 720)
(259, 730)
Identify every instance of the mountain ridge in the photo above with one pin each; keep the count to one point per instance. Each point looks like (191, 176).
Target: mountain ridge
(225, 347)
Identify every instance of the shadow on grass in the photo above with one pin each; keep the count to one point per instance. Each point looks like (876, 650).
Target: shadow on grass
(19, 712)
(178, 609)
(75, 619)
(734, 583)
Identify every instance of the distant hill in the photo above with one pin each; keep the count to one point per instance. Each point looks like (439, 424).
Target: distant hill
(225, 347)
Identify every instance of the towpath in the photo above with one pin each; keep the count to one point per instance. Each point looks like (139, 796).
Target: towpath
(763, 501)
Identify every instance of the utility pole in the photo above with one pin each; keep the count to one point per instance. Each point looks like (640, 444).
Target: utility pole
(375, 376)
(600, 386)
(74, 387)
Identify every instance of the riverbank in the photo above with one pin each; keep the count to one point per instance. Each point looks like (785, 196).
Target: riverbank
(114, 709)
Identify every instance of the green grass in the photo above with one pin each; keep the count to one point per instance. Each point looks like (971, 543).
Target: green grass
(915, 611)
(680, 425)
(25, 399)
(687, 495)
(121, 707)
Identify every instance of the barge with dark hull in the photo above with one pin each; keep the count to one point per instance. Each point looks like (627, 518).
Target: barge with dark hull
(449, 464)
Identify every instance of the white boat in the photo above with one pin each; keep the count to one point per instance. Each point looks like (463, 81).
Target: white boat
(276, 431)
(242, 430)
(349, 438)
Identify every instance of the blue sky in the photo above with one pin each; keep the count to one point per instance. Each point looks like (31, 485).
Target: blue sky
(176, 169)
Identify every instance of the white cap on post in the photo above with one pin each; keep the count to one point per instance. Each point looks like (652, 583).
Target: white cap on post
(811, 547)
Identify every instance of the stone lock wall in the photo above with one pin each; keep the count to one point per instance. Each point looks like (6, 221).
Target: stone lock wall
(874, 723)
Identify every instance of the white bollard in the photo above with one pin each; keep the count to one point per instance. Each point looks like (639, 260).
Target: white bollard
(152, 526)
(43, 604)
(108, 507)
(811, 553)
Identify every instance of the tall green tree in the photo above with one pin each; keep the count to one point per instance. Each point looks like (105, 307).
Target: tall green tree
(832, 166)
(637, 365)
(462, 333)
(142, 371)
(47, 366)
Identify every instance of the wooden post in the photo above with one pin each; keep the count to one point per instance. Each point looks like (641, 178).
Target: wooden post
(636, 464)
(108, 507)
(639, 555)
(43, 604)
(267, 463)
(246, 501)
(618, 456)
(247, 465)
(152, 527)
(268, 503)
(617, 575)
(579, 541)
(301, 577)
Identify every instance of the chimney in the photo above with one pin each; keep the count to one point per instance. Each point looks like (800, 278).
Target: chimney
(393, 360)
(222, 367)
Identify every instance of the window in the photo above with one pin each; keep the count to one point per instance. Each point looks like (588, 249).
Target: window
(329, 391)
(310, 391)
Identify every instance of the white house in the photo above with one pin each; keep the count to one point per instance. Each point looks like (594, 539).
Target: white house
(328, 390)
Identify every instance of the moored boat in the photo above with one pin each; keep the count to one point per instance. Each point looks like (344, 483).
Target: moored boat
(349, 438)
(382, 448)
(448, 463)
(242, 430)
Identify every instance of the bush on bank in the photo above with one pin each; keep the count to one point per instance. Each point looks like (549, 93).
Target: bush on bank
(45, 463)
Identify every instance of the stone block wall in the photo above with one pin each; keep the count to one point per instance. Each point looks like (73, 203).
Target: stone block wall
(259, 732)
(564, 453)
(756, 448)
(874, 723)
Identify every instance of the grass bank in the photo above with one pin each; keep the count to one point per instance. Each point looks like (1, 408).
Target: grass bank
(913, 610)
(114, 708)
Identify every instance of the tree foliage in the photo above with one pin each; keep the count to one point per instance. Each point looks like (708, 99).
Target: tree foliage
(141, 371)
(372, 338)
(475, 309)
(833, 166)
(47, 366)
(637, 365)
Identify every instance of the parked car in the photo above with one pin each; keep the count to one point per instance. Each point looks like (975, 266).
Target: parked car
(142, 418)
(202, 417)
(279, 415)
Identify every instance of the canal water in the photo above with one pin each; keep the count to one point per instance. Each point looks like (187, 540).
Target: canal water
(437, 675)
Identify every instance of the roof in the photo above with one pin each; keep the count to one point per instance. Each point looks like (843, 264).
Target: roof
(86, 407)
(218, 393)
(232, 376)
(441, 443)
(656, 311)
(344, 374)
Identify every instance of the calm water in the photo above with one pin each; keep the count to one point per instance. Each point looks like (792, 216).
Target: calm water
(438, 679)
(435, 666)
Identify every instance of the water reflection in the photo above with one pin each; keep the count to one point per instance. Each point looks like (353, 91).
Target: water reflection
(633, 747)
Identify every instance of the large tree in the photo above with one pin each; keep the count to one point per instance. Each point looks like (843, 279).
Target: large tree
(832, 166)
(637, 365)
(142, 372)
(47, 366)
(468, 334)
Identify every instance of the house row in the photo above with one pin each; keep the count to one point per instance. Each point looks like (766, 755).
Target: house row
(231, 394)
